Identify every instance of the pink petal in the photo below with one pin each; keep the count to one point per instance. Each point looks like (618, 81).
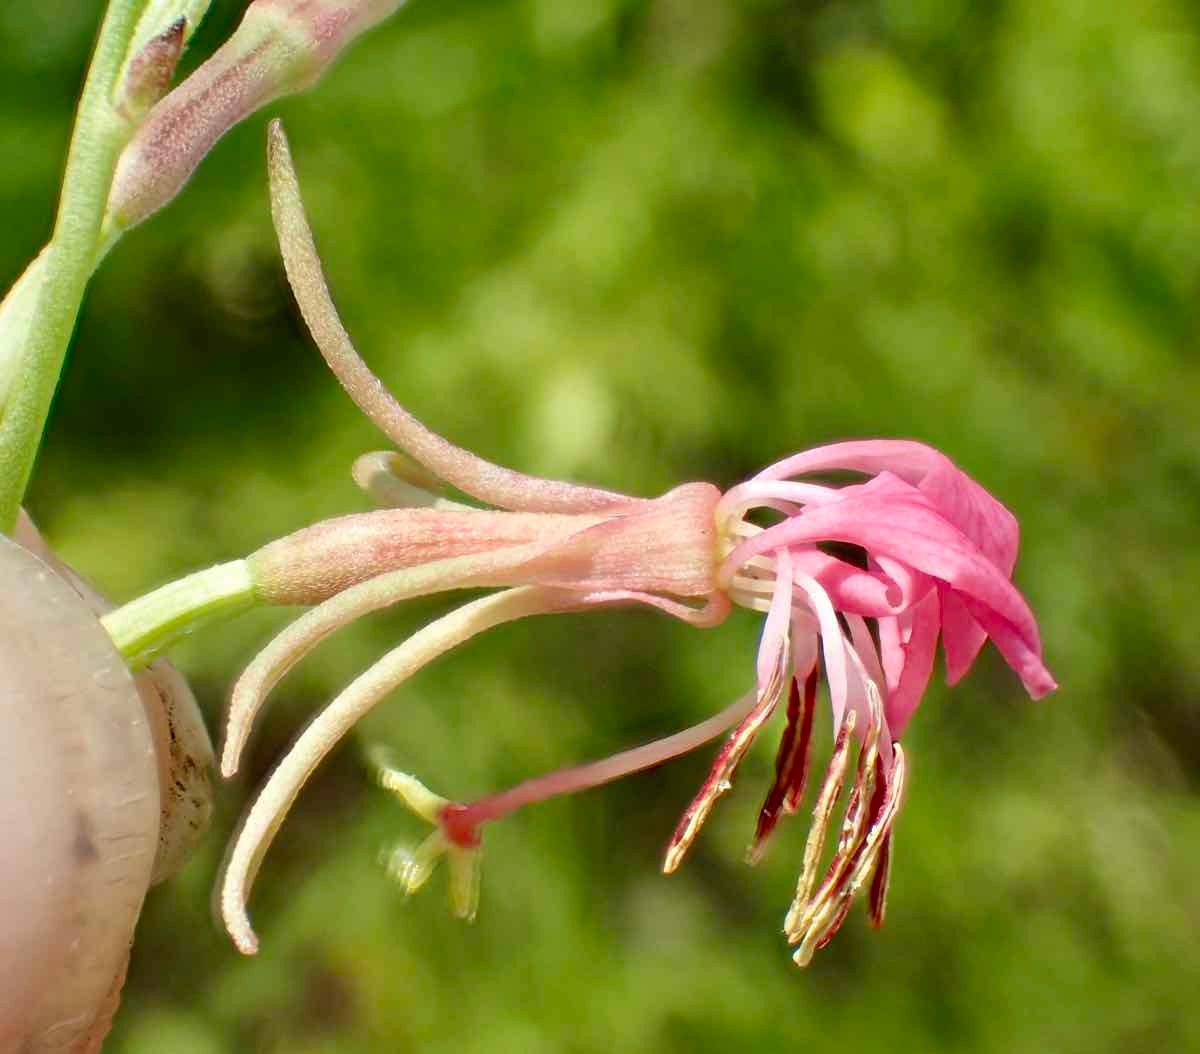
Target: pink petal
(891, 519)
(1023, 656)
(954, 494)
(920, 633)
(889, 588)
(962, 636)
(849, 587)
(975, 512)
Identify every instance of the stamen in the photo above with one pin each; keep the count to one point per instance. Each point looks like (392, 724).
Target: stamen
(719, 779)
(827, 797)
(862, 801)
(411, 870)
(824, 922)
(828, 935)
(833, 644)
(410, 790)
(865, 648)
(464, 881)
(862, 807)
(791, 764)
(797, 785)
(773, 663)
(879, 882)
(786, 497)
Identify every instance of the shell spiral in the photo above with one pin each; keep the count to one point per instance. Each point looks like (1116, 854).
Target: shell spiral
(79, 812)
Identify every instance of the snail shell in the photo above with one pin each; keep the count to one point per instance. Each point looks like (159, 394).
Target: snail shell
(82, 804)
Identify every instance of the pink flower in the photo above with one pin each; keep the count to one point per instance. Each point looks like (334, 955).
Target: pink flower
(937, 552)
(919, 550)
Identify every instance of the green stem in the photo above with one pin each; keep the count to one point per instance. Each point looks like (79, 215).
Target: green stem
(143, 627)
(96, 142)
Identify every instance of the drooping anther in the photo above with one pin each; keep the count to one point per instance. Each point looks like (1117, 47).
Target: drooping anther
(791, 764)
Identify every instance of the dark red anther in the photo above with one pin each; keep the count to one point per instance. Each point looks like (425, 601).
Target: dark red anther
(879, 797)
(791, 763)
(877, 902)
(836, 925)
(799, 778)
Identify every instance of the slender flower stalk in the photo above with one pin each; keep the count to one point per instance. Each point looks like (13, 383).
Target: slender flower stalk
(135, 59)
(46, 305)
(131, 152)
(857, 584)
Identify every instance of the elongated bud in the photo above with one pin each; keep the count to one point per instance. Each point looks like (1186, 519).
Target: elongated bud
(281, 47)
(147, 76)
(159, 15)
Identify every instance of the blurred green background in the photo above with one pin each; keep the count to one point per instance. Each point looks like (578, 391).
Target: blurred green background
(638, 242)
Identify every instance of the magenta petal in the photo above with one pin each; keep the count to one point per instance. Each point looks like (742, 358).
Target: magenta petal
(1024, 658)
(974, 512)
(918, 652)
(905, 458)
(909, 583)
(891, 651)
(962, 636)
(953, 493)
(889, 518)
(851, 588)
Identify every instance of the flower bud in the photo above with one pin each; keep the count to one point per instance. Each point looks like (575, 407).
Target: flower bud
(280, 47)
(159, 15)
(147, 75)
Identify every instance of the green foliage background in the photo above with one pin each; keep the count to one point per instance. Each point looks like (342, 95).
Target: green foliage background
(638, 242)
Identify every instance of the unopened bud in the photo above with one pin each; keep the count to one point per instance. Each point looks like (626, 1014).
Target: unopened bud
(280, 47)
(159, 15)
(147, 75)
